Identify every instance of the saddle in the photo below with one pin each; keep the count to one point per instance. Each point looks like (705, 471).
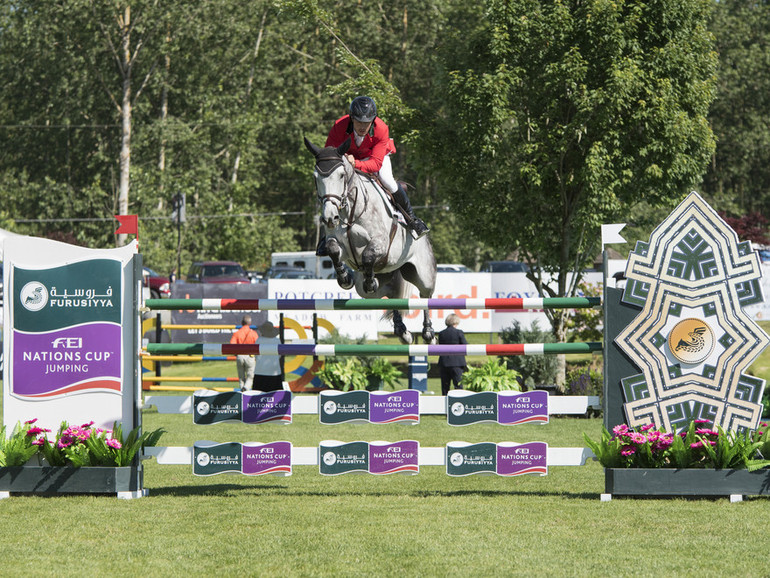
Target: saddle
(393, 208)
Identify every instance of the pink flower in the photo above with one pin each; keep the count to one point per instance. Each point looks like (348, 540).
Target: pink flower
(647, 427)
(87, 425)
(696, 445)
(701, 421)
(706, 432)
(620, 430)
(39, 442)
(31, 432)
(628, 451)
(31, 421)
(113, 443)
(638, 438)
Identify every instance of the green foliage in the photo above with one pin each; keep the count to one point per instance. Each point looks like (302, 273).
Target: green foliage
(535, 369)
(343, 373)
(562, 116)
(586, 324)
(738, 179)
(583, 379)
(19, 447)
(385, 372)
(491, 376)
(695, 447)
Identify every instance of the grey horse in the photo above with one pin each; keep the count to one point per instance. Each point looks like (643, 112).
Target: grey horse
(366, 243)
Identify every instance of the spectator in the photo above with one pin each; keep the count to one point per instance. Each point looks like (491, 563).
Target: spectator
(451, 367)
(268, 373)
(245, 363)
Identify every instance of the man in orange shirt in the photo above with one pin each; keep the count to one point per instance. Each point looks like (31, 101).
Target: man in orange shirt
(245, 363)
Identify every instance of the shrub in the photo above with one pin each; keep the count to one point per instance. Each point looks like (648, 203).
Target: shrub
(534, 369)
(492, 376)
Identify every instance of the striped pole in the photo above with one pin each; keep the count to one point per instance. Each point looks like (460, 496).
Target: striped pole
(374, 349)
(506, 304)
(189, 379)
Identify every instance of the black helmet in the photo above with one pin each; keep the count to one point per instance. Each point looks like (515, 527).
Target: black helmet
(363, 109)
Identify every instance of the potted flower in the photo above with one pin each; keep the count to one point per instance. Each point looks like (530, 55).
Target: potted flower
(81, 459)
(701, 460)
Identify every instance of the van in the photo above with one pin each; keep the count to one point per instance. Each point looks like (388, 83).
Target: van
(504, 267)
(320, 267)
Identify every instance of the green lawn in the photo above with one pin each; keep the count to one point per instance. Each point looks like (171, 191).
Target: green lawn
(361, 525)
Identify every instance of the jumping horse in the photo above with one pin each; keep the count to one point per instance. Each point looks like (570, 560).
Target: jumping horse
(367, 245)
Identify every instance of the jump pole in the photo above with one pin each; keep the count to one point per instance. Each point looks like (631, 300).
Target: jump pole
(503, 304)
(374, 349)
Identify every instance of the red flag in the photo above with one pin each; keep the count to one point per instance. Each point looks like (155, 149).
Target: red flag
(129, 225)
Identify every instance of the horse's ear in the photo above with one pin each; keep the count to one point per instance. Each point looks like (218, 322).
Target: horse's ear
(343, 148)
(312, 148)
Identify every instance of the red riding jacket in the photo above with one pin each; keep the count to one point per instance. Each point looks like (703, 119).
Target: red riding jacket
(376, 144)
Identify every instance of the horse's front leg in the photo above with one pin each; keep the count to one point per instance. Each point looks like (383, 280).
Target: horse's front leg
(399, 328)
(369, 258)
(344, 278)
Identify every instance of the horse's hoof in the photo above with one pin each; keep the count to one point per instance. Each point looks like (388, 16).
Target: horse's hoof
(406, 338)
(346, 281)
(371, 286)
(429, 336)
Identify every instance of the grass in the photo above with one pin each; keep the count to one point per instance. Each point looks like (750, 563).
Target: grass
(360, 525)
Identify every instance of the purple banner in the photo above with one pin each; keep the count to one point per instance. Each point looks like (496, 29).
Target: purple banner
(261, 459)
(394, 458)
(260, 407)
(517, 408)
(81, 358)
(519, 459)
(396, 406)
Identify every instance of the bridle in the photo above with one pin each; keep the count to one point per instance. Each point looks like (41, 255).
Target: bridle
(325, 166)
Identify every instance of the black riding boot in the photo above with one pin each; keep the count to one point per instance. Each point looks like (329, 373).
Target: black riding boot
(402, 200)
(321, 250)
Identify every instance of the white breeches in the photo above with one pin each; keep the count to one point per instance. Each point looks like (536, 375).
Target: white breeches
(386, 175)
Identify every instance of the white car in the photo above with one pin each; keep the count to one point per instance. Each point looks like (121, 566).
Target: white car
(452, 268)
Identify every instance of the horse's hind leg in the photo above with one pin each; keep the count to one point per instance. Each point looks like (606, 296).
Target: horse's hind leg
(344, 278)
(399, 328)
(428, 334)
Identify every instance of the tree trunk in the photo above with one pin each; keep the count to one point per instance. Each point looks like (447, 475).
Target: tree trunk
(125, 111)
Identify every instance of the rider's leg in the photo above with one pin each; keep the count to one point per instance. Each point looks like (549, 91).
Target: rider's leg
(401, 198)
(321, 250)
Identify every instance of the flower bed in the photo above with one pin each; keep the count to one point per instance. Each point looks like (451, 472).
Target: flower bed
(701, 461)
(81, 459)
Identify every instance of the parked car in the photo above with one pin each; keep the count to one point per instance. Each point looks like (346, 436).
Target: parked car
(452, 268)
(297, 274)
(217, 272)
(504, 267)
(281, 272)
(159, 285)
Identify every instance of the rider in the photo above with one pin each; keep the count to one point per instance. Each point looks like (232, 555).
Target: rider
(369, 152)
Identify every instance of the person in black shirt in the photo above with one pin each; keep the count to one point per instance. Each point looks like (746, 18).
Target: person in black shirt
(451, 366)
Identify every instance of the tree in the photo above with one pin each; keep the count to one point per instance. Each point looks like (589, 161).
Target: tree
(562, 115)
(738, 179)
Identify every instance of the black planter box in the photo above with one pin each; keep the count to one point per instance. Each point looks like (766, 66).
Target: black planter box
(61, 480)
(685, 482)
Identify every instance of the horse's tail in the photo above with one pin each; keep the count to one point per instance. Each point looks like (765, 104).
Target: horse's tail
(402, 289)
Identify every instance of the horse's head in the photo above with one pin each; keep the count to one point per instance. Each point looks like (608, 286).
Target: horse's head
(332, 173)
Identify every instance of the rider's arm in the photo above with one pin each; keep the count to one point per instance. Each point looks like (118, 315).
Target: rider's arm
(381, 146)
